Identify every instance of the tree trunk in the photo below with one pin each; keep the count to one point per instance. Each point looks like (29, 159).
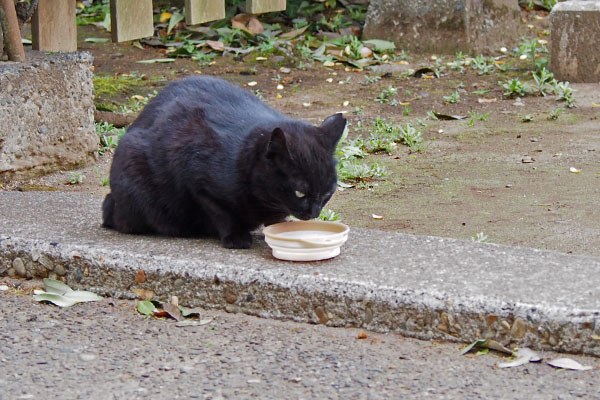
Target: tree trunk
(10, 28)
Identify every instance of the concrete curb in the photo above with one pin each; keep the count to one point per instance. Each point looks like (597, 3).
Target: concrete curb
(424, 287)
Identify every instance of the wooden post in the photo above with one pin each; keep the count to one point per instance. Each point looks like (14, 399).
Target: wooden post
(264, 6)
(53, 26)
(200, 11)
(10, 22)
(131, 19)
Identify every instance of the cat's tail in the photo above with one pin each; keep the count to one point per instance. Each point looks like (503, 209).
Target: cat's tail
(108, 210)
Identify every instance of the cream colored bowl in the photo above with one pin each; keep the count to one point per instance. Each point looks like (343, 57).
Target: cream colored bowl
(306, 240)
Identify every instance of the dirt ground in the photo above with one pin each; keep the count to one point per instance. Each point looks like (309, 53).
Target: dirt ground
(508, 179)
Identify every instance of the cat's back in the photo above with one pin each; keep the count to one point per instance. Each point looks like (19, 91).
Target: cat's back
(224, 107)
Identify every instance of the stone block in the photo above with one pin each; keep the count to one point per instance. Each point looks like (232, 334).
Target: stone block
(264, 6)
(53, 26)
(575, 33)
(46, 114)
(200, 11)
(445, 26)
(131, 19)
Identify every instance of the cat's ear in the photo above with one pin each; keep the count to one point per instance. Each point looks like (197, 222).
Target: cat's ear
(331, 129)
(277, 146)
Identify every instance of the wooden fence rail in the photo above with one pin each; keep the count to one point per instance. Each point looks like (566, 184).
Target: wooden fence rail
(54, 27)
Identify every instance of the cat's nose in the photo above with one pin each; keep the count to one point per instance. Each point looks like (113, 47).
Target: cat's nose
(315, 211)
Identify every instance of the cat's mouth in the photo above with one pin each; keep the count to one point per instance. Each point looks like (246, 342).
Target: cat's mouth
(306, 215)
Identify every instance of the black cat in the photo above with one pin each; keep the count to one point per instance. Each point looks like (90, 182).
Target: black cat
(206, 157)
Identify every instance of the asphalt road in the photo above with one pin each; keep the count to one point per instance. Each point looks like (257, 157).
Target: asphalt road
(106, 350)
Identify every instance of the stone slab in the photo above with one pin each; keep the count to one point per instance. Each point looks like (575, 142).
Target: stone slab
(200, 11)
(53, 26)
(46, 114)
(445, 26)
(131, 19)
(575, 34)
(424, 287)
(264, 6)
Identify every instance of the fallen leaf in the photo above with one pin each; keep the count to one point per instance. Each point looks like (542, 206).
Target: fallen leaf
(145, 307)
(165, 16)
(293, 34)
(144, 294)
(173, 311)
(55, 299)
(567, 363)
(215, 45)
(524, 356)
(54, 286)
(362, 335)
(344, 185)
(96, 40)
(188, 312)
(380, 45)
(447, 117)
(487, 344)
(188, 322)
(157, 60)
(527, 160)
(248, 23)
(421, 72)
(140, 277)
(176, 18)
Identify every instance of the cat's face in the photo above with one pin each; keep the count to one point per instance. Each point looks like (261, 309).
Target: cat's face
(299, 174)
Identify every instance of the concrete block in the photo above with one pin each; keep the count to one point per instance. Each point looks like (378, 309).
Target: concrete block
(131, 19)
(575, 33)
(53, 26)
(445, 26)
(46, 114)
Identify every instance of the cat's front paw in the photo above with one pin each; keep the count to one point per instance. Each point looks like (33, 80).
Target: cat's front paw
(238, 240)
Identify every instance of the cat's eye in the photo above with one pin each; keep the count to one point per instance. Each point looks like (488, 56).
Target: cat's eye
(299, 194)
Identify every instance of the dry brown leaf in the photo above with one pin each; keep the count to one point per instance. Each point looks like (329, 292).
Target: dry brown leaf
(215, 45)
(143, 294)
(362, 335)
(293, 34)
(140, 276)
(173, 311)
(248, 23)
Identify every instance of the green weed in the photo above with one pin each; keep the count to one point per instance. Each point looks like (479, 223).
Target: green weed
(453, 98)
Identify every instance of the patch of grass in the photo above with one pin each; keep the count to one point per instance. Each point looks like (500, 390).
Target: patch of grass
(111, 85)
(386, 95)
(565, 93)
(514, 87)
(554, 114)
(453, 98)
(329, 215)
(109, 136)
(358, 171)
(75, 178)
(474, 116)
